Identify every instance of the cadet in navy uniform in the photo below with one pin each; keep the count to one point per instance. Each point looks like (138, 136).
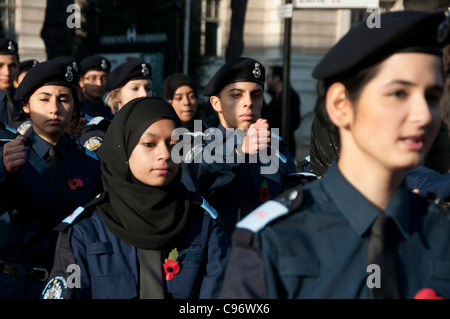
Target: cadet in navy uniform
(10, 112)
(43, 178)
(146, 237)
(322, 241)
(238, 186)
(24, 67)
(129, 80)
(93, 75)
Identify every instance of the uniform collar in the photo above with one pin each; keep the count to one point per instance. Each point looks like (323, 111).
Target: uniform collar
(41, 147)
(359, 211)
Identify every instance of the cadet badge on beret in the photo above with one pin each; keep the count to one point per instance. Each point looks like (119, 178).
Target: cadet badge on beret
(145, 71)
(11, 47)
(444, 28)
(69, 74)
(257, 71)
(103, 65)
(56, 288)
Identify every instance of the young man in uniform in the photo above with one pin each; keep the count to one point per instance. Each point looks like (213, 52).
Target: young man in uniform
(233, 173)
(94, 73)
(10, 112)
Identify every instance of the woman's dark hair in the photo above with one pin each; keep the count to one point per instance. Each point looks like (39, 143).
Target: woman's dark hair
(325, 140)
(354, 84)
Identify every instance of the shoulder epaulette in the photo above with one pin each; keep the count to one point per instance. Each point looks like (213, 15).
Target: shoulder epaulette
(199, 200)
(70, 220)
(95, 121)
(271, 210)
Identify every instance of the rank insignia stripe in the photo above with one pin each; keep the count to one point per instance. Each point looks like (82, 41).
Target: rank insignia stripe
(262, 216)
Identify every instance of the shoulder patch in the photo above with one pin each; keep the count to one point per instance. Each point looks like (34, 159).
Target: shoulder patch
(93, 143)
(56, 288)
(262, 216)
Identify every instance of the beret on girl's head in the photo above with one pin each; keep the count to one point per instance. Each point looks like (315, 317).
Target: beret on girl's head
(399, 31)
(52, 72)
(127, 71)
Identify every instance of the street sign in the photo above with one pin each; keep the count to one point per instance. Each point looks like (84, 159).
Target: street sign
(285, 11)
(336, 4)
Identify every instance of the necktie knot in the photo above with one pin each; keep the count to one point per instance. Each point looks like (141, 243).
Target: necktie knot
(383, 226)
(52, 151)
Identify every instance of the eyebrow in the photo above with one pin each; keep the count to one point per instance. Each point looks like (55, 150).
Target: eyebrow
(242, 90)
(408, 83)
(49, 94)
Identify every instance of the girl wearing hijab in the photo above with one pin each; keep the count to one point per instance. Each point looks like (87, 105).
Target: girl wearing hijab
(146, 236)
(179, 90)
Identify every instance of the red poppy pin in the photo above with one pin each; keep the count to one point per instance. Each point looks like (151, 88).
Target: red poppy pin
(427, 293)
(171, 267)
(264, 194)
(75, 183)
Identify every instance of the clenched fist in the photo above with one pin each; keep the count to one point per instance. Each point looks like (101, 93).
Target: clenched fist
(14, 154)
(257, 138)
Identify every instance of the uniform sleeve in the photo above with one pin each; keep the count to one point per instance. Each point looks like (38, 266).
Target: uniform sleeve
(244, 277)
(64, 278)
(218, 253)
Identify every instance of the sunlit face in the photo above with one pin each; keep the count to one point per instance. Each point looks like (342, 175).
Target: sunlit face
(51, 109)
(396, 118)
(92, 84)
(133, 89)
(151, 162)
(239, 104)
(9, 67)
(185, 103)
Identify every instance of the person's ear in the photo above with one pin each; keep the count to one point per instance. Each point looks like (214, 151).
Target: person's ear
(215, 102)
(339, 107)
(26, 108)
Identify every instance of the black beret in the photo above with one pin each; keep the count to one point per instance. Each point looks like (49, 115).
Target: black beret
(173, 82)
(237, 70)
(52, 72)
(96, 63)
(8, 46)
(26, 65)
(127, 71)
(399, 31)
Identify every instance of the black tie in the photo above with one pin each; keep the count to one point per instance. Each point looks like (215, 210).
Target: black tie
(380, 253)
(59, 183)
(11, 108)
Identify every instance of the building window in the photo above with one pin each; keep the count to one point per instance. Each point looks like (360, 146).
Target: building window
(209, 28)
(7, 19)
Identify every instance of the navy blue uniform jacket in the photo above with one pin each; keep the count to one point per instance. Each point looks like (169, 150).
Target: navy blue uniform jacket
(28, 215)
(235, 188)
(109, 266)
(319, 249)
